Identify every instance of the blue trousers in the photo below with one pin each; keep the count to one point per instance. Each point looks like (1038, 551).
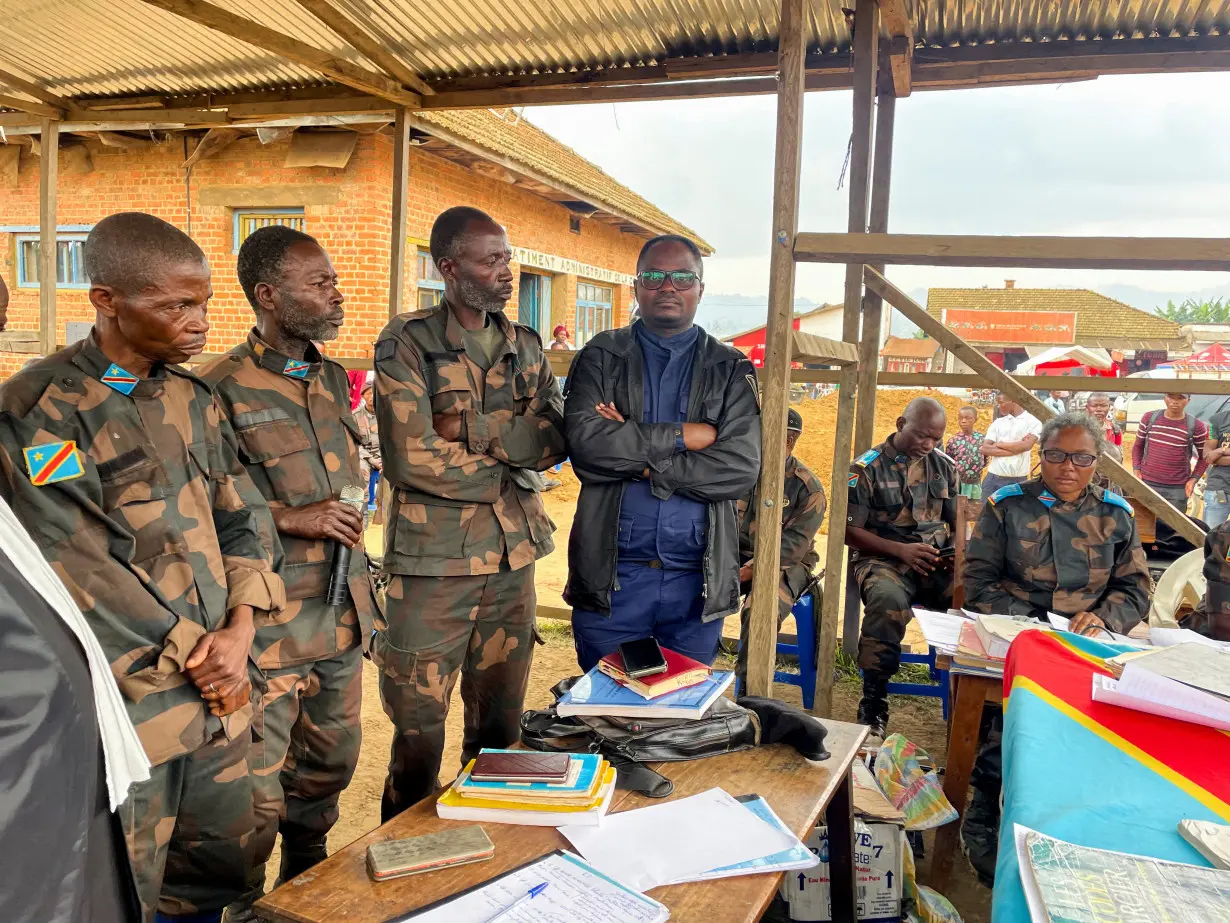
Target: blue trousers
(663, 604)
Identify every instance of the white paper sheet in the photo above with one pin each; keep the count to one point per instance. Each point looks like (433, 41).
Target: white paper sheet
(941, 629)
(677, 840)
(1143, 691)
(1168, 637)
(575, 893)
(1061, 623)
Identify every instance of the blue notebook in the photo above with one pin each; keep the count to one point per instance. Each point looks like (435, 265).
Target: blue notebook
(595, 693)
(590, 763)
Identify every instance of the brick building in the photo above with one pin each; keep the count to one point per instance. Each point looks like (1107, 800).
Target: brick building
(575, 231)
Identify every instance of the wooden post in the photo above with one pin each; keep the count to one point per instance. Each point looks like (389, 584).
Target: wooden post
(762, 632)
(401, 188)
(833, 610)
(49, 162)
(998, 378)
(869, 346)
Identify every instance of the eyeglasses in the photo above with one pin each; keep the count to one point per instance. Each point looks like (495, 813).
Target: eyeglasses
(681, 279)
(1058, 457)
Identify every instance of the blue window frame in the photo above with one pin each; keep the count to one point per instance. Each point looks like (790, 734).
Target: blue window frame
(248, 220)
(430, 282)
(594, 311)
(70, 262)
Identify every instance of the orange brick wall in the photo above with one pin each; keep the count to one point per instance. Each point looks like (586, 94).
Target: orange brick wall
(354, 230)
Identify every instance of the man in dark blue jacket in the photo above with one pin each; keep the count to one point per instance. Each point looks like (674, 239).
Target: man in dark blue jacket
(663, 428)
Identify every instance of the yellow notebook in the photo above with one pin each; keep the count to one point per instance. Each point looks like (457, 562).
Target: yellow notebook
(452, 806)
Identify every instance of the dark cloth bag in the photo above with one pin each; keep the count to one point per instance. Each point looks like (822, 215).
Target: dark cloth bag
(629, 743)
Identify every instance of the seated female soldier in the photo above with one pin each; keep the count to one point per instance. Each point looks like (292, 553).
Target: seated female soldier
(1057, 544)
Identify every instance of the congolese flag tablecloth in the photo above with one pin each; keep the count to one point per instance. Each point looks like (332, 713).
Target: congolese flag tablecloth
(1096, 774)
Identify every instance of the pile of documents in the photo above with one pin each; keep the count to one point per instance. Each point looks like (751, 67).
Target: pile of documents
(1187, 682)
(576, 791)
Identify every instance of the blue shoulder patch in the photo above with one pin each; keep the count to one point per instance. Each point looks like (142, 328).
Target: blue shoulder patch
(1012, 490)
(867, 458)
(1116, 500)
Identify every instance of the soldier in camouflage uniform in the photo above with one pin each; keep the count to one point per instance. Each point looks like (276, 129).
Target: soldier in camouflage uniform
(116, 408)
(1057, 544)
(1051, 544)
(289, 409)
(1212, 617)
(901, 515)
(802, 513)
(468, 409)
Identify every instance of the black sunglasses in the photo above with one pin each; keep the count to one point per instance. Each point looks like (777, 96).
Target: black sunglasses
(681, 279)
(1058, 457)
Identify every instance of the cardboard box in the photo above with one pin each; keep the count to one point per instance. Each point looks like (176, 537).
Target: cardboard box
(878, 857)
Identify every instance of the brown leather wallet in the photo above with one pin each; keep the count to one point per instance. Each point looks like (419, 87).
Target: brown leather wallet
(520, 767)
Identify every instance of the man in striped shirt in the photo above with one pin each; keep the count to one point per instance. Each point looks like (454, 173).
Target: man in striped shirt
(1168, 452)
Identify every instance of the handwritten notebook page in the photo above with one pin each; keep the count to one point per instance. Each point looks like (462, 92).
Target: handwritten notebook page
(575, 893)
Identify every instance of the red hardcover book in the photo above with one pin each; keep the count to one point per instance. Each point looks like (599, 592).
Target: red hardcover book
(681, 672)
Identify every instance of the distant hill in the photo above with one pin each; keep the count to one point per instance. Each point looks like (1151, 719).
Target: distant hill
(725, 315)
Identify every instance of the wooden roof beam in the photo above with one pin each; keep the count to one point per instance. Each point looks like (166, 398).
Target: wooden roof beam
(252, 33)
(370, 47)
(895, 17)
(33, 89)
(25, 105)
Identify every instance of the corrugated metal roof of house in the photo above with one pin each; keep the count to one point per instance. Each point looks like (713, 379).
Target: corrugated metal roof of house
(126, 47)
(516, 138)
(909, 347)
(1096, 315)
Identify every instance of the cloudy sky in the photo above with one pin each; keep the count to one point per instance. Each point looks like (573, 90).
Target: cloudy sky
(1146, 155)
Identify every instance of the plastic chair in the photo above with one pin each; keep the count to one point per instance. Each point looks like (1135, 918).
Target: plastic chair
(938, 691)
(804, 612)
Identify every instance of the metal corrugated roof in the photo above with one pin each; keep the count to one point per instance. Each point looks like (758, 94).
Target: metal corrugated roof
(122, 47)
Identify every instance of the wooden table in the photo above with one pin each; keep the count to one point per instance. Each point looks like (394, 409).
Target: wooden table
(968, 693)
(339, 890)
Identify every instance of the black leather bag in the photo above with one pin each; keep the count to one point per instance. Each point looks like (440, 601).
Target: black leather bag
(628, 743)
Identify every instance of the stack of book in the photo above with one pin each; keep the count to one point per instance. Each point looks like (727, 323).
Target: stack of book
(598, 694)
(972, 655)
(533, 789)
(681, 672)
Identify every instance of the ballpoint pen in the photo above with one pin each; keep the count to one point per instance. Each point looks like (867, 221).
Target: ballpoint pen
(528, 896)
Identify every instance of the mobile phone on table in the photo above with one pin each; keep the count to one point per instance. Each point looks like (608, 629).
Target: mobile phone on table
(642, 657)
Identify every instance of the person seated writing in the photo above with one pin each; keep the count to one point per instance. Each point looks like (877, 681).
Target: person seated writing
(903, 508)
(1056, 543)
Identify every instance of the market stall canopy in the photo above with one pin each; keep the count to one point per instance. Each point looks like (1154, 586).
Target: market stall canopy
(1215, 358)
(1060, 359)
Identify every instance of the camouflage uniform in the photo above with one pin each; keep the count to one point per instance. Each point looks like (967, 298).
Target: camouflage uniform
(1212, 616)
(1032, 553)
(157, 466)
(292, 428)
(803, 508)
(466, 510)
(899, 500)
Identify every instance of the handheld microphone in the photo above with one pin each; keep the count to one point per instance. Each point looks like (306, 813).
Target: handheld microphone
(339, 591)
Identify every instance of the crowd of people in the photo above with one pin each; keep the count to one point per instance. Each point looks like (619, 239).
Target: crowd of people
(205, 525)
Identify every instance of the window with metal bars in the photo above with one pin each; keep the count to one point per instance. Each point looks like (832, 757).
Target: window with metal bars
(70, 262)
(248, 220)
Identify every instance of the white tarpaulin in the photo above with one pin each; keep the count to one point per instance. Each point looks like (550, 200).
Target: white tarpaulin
(1092, 356)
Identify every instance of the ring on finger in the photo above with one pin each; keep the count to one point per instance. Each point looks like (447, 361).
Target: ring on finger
(212, 688)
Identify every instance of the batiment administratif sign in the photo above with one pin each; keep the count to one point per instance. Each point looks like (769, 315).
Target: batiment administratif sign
(1013, 328)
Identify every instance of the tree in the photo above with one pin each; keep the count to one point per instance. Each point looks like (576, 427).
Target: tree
(1192, 311)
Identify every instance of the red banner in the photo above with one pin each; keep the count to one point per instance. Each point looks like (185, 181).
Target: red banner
(1013, 328)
